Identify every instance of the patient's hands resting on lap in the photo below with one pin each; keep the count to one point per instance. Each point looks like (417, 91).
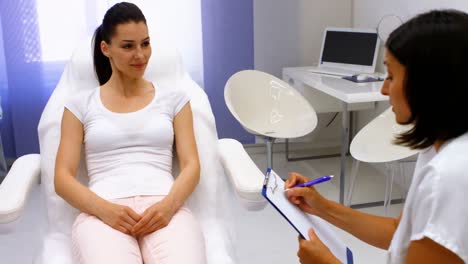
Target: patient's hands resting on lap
(119, 217)
(125, 220)
(306, 198)
(154, 218)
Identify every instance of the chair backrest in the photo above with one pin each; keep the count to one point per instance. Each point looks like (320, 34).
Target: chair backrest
(374, 142)
(265, 105)
(165, 68)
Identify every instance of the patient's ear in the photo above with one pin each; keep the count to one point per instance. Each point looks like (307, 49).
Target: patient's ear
(105, 48)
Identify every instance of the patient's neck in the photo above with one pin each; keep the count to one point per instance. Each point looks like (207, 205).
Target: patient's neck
(127, 86)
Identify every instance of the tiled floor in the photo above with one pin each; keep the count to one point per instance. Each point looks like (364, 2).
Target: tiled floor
(262, 236)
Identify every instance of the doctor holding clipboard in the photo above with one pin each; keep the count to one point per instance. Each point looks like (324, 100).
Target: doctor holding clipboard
(426, 60)
(274, 190)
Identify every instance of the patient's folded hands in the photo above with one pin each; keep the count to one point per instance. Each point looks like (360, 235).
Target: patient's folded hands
(154, 218)
(126, 220)
(119, 217)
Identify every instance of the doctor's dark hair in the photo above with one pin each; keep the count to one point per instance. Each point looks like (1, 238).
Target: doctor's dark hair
(433, 47)
(120, 13)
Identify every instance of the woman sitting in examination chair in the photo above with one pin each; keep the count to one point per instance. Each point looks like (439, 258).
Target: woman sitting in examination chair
(133, 210)
(427, 64)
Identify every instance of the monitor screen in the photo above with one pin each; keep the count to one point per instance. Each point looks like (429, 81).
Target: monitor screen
(349, 47)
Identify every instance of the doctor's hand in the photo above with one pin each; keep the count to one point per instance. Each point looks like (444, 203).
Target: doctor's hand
(306, 198)
(313, 251)
(119, 217)
(154, 218)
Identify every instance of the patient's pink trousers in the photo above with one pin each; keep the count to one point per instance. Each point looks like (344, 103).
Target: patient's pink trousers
(181, 241)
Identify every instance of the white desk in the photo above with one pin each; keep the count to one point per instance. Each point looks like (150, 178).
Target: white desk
(349, 93)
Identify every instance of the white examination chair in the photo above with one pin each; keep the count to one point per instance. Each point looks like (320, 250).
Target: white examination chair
(222, 161)
(268, 107)
(374, 144)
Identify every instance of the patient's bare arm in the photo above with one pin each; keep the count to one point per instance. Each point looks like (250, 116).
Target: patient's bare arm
(187, 154)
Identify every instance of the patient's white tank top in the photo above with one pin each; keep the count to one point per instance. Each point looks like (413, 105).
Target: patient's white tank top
(436, 205)
(129, 154)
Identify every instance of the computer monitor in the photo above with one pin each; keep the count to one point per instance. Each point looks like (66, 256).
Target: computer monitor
(350, 48)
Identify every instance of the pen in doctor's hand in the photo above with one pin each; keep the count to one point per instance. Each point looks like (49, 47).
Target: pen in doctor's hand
(312, 182)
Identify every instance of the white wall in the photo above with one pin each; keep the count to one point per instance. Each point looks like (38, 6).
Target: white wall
(289, 33)
(367, 13)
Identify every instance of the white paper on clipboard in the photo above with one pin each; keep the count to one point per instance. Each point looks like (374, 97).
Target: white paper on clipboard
(273, 191)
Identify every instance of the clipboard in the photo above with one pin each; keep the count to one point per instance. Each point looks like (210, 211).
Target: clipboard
(273, 191)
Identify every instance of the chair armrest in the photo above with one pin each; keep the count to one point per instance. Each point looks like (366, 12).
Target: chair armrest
(16, 186)
(245, 176)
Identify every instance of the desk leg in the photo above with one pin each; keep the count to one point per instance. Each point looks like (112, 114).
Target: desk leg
(344, 148)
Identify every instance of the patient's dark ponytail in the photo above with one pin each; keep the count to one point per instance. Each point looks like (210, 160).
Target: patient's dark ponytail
(101, 62)
(120, 13)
